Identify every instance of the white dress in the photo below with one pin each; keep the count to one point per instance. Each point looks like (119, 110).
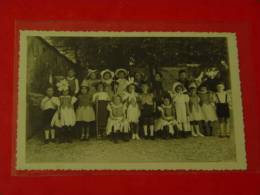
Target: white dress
(195, 109)
(133, 113)
(116, 120)
(208, 107)
(180, 101)
(65, 115)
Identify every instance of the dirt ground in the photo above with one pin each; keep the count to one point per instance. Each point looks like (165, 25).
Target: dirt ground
(192, 149)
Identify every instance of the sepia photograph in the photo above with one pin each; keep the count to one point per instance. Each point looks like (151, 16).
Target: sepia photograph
(129, 101)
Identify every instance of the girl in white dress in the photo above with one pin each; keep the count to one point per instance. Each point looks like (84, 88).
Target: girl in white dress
(122, 80)
(65, 117)
(117, 123)
(85, 112)
(133, 111)
(196, 115)
(208, 109)
(181, 102)
(167, 122)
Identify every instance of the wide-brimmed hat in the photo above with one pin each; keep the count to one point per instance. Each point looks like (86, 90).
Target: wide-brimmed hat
(192, 85)
(121, 70)
(177, 84)
(107, 71)
(90, 71)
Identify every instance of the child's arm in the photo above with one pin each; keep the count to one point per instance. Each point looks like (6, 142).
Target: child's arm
(43, 102)
(77, 86)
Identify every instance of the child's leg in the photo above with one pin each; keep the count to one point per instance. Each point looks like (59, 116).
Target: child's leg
(82, 130)
(151, 128)
(197, 129)
(87, 128)
(136, 127)
(221, 128)
(46, 135)
(145, 130)
(69, 134)
(193, 129)
(227, 128)
(209, 124)
(53, 134)
(133, 129)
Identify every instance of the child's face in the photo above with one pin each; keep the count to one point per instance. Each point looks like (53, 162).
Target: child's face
(100, 87)
(107, 76)
(121, 75)
(84, 90)
(92, 76)
(166, 101)
(49, 92)
(145, 88)
(117, 100)
(138, 76)
(66, 92)
(131, 89)
(220, 88)
(193, 91)
(178, 89)
(183, 76)
(71, 73)
(157, 77)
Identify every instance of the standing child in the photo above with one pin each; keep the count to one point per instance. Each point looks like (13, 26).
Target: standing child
(117, 122)
(73, 82)
(65, 117)
(223, 104)
(181, 102)
(133, 111)
(91, 81)
(147, 111)
(49, 106)
(167, 122)
(196, 115)
(122, 80)
(208, 109)
(107, 79)
(85, 112)
(101, 99)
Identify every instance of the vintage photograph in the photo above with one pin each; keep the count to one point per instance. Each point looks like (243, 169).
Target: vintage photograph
(129, 101)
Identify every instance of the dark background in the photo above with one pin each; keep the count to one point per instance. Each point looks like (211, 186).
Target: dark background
(241, 17)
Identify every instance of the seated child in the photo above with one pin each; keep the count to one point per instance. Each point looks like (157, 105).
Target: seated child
(117, 122)
(49, 106)
(223, 106)
(208, 109)
(196, 115)
(85, 112)
(167, 122)
(65, 117)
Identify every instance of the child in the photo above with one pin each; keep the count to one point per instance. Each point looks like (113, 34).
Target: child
(48, 106)
(138, 79)
(91, 81)
(73, 82)
(196, 115)
(181, 101)
(133, 111)
(208, 109)
(65, 117)
(107, 78)
(167, 121)
(223, 104)
(85, 113)
(122, 80)
(101, 99)
(147, 110)
(117, 122)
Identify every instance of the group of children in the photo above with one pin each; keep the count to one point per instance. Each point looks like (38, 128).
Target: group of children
(125, 107)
